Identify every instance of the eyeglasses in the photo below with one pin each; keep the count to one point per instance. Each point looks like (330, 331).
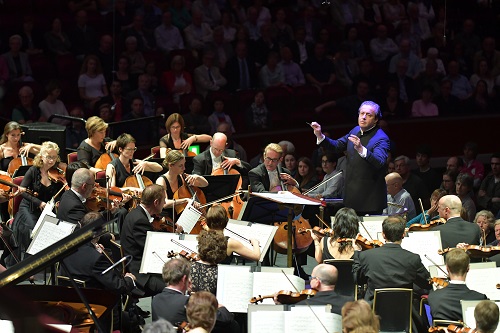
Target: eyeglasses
(134, 149)
(217, 149)
(274, 160)
(325, 161)
(51, 158)
(314, 277)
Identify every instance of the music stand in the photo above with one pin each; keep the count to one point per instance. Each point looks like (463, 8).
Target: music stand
(220, 187)
(288, 202)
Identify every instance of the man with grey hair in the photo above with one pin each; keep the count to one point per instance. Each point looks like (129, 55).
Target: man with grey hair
(411, 182)
(72, 205)
(159, 326)
(17, 61)
(455, 230)
(399, 201)
(367, 147)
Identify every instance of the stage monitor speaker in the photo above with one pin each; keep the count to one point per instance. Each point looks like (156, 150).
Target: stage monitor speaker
(40, 132)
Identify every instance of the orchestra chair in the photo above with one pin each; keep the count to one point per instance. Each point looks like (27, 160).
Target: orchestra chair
(100, 178)
(345, 283)
(394, 307)
(424, 309)
(156, 151)
(72, 157)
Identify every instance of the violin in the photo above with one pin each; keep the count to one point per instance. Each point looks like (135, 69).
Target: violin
(325, 232)
(426, 227)
(193, 256)
(163, 224)
(6, 184)
(57, 174)
(101, 197)
(440, 282)
(286, 296)
(457, 329)
(476, 251)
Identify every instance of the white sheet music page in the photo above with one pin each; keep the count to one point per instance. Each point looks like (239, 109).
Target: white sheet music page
(484, 281)
(424, 243)
(262, 232)
(266, 283)
(288, 198)
(50, 232)
(267, 321)
(301, 319)
(189, 217)
(159, 243)
(234, 287)
(47, 210)
(371, 229)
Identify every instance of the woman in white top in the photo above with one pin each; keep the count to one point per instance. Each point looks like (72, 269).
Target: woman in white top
(91, 82)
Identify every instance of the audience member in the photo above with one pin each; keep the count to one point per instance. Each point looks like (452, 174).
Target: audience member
(32, 38)
(460, 87)
(196, 121)
(272, 74)
(449, 179)
(210, 11)
(145, 39)
(301, 49)
(489, 192)
(264, 45)
(219, 117)
(382, 47)
(51, 105)
(198, 32)
(17, 61)
(207, 76)
(429, 176)
(281, 31)
(306, 175)
(56, 40)
(220, 48)
(447, 103)
(424, 107)
(471, 164)
(143, 92)
(414, 63)
(399, 201)
(83, 37)
(26, 111)
(318, 69)
(128, 81)
(180, 14)
(291, 70)
(91, 82)
(167, 35)
(257, 115)
(241, 71)
(412, 183)
(135, 56)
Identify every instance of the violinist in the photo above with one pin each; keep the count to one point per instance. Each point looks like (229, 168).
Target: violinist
(389, 266)
(170, 304)
(432, 213)
(176, 138)
(201, 312)
(445, 303)
(485, 220)
(218, 157)
(323, 280)
(96, 144)
(333, 188)
(37, 180)
(72, 205)
(212, 250)
(172, 180)
(119, 169)
(346, 226)
(269, 175)
(486, 315)
(358, 317)
(217, 220)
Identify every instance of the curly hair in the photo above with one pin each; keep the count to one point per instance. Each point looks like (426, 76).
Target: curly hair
(359, 314)
(212, 246)
(201, 310)
(44, 150)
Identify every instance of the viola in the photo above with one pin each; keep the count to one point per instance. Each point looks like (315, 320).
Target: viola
(440, 282)
(457, 329)
(193, 256)
(57, 174)
(6, 184)
(101, 197)
(426, 227)
(286, 296)
(164, 224)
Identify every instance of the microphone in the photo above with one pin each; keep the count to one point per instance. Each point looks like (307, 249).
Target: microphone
(128, 258)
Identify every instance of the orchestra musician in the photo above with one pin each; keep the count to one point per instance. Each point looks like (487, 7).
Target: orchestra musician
(176, 138)
(367, 147)
(445, 302)
(486, 221)
(486, 316)
(216, 220)
(201, 312)
(170, 304)
(218, 157)
(432, 213)
(269, 175)
(389, 266)
(346, 226)
(72, 204)
(173, 179)
(333, 188)
(119, 169)
(96, 144)
(358, 317)
(133, 236)
(399, 201)
(37, 180)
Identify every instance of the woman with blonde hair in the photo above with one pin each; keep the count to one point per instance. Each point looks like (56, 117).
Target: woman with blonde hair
(176, 138)
(37, 181)
(358, 317)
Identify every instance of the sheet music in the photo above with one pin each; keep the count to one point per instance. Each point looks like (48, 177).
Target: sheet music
(261, 232)
(51, 230)
(189, 217)
(288, 198)
(484, 281)
(265, 283)
(471, 321)
(300, 319)
(424, 243)
(374, 227)
(234, 287)
(267, 321)
(47, 210)
(161, 243)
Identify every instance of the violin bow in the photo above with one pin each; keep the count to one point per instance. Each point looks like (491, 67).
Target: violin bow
(158, 256)
(321, 220)
(182, 246)
(306, 301)
(322, 182)
(435, 264)
(366, 230)
(246, 239)
(422, 208)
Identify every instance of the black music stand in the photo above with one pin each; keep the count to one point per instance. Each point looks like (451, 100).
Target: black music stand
(220, 187)
(260, 210)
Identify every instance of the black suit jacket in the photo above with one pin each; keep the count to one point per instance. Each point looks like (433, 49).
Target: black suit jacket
(294, 47)
(170, 305)
(389, 266)
(87, 264)
(457, 230)
(203, 163)
(233, 73)
(71, 208)
(259, 178)
(133, 241)
(328, 297)
(445, 303)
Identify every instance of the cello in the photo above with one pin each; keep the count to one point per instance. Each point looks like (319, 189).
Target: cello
(234, 206)
(139, 181)
(105, 159)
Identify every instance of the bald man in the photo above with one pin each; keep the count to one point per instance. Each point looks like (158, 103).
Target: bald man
(455, 230)
(323, 279)
(218, 156)
(399, 201)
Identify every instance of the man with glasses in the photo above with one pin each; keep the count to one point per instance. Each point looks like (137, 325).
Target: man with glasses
(333, 188)
(399, 201)
(218, 157)
(367, 146)
(489, 192)
(455, 230)
(269, 176)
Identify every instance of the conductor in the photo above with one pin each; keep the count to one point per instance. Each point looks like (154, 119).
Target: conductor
(367, 147)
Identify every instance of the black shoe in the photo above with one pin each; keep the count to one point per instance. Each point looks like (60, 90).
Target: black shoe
(142, 313)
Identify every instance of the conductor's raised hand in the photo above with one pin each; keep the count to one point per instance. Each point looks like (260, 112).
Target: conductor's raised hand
(356, 142)
(317, 130)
